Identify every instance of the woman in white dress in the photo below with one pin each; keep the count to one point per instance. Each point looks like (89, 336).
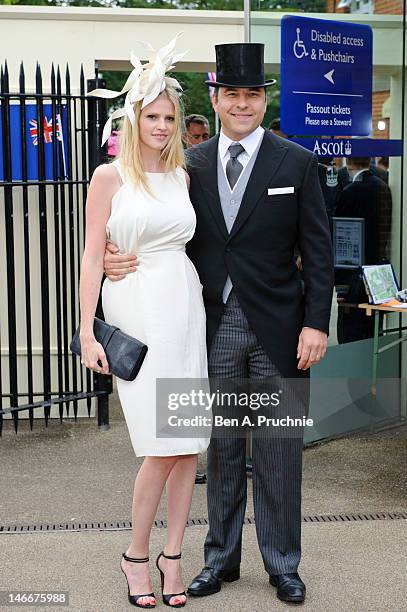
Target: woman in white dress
(141, 203)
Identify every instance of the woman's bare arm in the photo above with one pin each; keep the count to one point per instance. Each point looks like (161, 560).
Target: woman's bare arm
(103, 185)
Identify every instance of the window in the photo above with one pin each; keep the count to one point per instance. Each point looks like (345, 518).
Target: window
(357, 6)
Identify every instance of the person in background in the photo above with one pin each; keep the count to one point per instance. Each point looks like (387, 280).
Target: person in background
(369, 198)
(328, 179)
(274, 127)
(382, 168)
(113, 144)
(197, 130)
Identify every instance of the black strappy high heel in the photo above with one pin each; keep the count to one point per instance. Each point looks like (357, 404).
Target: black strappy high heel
(133, 599)
(167, 598)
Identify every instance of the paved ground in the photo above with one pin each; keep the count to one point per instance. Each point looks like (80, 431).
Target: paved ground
(352, 567)
(74, 473)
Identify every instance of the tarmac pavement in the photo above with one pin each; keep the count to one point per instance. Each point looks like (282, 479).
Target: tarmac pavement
(72, 473)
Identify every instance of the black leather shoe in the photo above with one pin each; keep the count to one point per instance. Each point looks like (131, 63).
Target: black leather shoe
(200, 478)
(209, 581)
(249, 467)
(290, 587)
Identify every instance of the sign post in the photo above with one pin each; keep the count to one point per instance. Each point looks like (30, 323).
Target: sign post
(326, 77)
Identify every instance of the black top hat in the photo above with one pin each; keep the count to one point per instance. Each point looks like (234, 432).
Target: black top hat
(240, 65)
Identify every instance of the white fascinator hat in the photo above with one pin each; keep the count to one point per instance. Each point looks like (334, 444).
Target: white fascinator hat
(145, 82)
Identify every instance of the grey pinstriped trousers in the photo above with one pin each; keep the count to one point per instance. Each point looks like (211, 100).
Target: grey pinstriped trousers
(277, 465)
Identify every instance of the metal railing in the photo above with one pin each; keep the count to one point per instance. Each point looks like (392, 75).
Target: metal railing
(48, 151)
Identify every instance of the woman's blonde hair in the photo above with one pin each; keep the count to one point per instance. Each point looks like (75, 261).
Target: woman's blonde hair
(172, 154)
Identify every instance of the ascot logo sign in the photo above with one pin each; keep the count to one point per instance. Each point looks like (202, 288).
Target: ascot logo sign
(330, 148)
(356, 147)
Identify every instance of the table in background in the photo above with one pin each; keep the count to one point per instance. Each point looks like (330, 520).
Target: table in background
(374, 309)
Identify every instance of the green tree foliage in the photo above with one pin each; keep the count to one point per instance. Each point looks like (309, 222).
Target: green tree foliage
(309, 6)
(28, 2)
(203, 5)
(219, 5)
(63, 3)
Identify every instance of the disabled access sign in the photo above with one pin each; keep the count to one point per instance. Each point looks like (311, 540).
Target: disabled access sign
(326, 77)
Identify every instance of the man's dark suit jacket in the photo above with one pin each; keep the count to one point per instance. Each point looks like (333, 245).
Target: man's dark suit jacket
(258, 254)
(369, 198)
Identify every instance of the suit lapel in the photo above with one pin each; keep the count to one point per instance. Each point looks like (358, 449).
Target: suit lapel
(269, 158)
(208, 178)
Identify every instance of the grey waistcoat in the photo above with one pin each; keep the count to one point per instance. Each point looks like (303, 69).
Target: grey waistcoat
(231, 200)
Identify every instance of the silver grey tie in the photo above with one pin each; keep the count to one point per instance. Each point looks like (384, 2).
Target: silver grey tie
(234, 167)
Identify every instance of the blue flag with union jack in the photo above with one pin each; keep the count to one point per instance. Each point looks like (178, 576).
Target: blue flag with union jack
(31, 142)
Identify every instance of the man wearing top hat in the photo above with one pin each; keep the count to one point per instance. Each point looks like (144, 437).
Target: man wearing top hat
(256, 197)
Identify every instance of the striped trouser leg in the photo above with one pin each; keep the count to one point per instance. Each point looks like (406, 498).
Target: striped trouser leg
(277, 473)
(227, 497)
(226, 468)
(277, 502)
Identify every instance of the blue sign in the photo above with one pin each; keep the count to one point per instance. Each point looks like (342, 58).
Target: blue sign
(31, 142)
(352, 147)
(326, 77)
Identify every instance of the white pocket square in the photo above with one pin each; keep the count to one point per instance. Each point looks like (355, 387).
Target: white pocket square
(280, 190)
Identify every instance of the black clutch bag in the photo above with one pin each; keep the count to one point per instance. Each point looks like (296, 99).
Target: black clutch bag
(124, 354)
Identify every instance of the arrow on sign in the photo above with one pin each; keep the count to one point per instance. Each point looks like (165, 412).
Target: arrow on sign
(329, 76)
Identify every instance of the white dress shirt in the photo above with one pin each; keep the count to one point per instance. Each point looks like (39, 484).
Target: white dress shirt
(357, 175)
(249, 143)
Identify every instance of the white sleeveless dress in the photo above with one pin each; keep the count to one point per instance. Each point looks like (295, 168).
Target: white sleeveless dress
(160, 304)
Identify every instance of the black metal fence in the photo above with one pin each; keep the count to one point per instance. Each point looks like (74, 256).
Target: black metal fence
(48, 150)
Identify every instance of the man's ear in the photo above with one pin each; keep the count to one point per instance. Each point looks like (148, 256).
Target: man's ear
(184, 138)
(214, 101)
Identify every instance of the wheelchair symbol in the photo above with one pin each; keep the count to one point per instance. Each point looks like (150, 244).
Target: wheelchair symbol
(299, 47)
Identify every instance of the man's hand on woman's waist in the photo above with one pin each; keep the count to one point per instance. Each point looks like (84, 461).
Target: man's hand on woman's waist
(116, 266)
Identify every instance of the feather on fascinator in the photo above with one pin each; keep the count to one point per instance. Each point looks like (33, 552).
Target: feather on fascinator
(145, 82)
